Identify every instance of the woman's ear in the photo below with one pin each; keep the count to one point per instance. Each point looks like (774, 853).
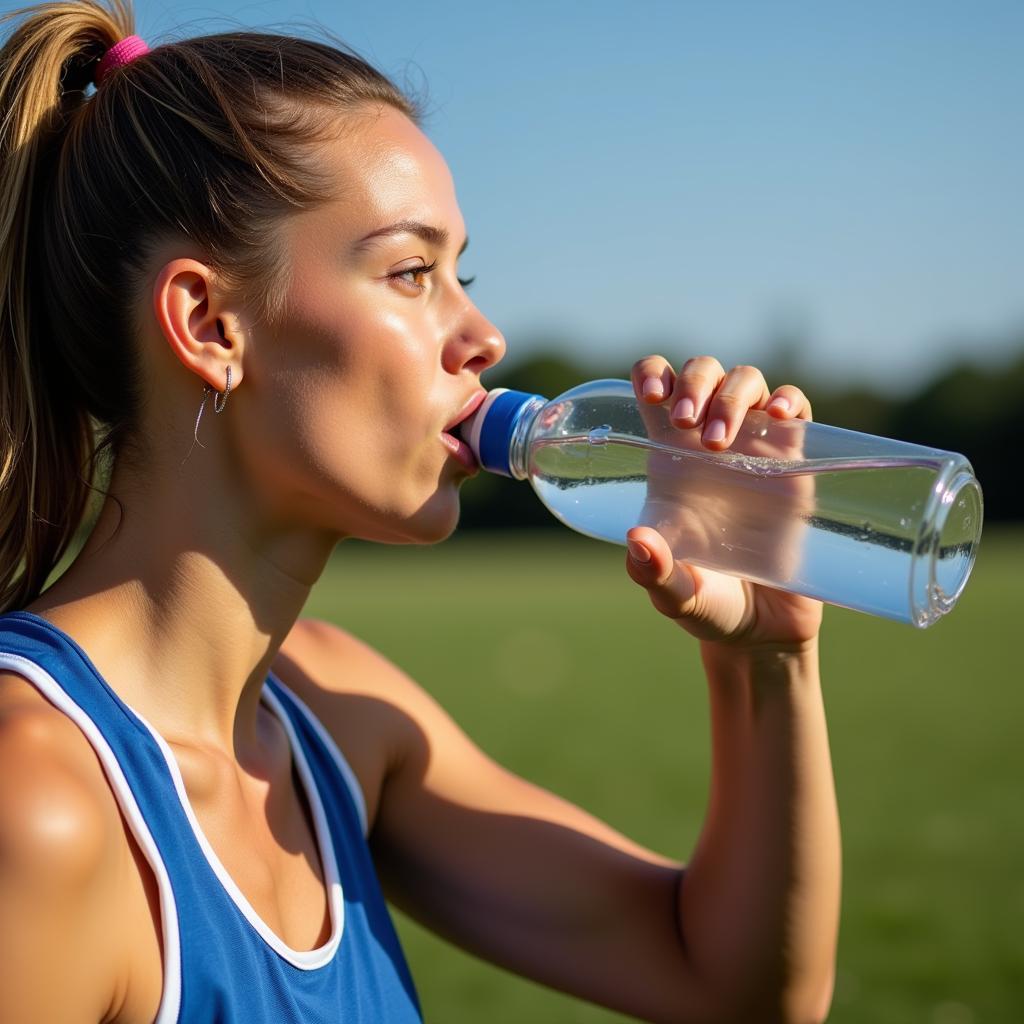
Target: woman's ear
(198, 322)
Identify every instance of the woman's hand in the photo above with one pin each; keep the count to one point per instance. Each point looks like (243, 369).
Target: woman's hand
(710, 405)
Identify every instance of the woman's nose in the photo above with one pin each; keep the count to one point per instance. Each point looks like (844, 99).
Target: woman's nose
(477, 345)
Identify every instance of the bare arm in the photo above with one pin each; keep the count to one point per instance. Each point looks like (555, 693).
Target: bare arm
(518, 876)
(761, 897)
(747, 932)
(59, 870)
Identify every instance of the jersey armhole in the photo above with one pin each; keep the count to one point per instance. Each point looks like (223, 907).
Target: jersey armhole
(170, 997)
(349, 776)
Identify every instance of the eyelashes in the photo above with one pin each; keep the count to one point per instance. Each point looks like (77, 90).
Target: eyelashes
(411, 275)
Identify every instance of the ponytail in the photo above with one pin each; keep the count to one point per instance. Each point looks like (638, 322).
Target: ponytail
(48, 453)
(209, 141)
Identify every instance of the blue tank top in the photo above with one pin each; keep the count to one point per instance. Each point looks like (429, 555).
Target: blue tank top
(221, 962)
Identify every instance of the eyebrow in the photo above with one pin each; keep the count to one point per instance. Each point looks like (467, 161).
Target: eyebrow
(428, 232)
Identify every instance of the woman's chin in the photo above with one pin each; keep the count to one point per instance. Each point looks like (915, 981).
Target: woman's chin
(431, 523)
(435, 522)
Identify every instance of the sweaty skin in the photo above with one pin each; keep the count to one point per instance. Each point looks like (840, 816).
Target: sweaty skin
(333, 429)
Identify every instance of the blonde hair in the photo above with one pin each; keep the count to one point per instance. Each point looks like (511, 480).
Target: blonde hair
(206, 139)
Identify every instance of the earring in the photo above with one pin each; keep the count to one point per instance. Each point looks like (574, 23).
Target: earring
(218, 406)
(227, 391)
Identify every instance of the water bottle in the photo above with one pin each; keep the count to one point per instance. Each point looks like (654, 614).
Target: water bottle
(863, 522)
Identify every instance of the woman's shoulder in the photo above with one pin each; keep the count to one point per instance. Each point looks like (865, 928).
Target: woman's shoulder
(373, 710)
(62, 847)
(325, 660)
(57, 812)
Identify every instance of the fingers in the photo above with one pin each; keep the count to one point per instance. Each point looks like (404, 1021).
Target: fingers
(788, 402)
(653, 379)
(704, 395)
(742, 388)
(693, 389)
(650, 563)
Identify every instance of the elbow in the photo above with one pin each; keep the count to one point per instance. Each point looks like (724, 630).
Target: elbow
(807, 1004)
(819, 1003)
(810, 1003)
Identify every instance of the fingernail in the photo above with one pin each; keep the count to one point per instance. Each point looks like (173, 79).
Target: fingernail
(715, 431)
(638, 552)
(781, 404)
(653, 388)
(684, 409)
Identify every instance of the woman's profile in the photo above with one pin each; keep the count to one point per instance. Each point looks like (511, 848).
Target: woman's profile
(232, 316)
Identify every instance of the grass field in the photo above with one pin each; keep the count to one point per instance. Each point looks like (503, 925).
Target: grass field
(555, 663)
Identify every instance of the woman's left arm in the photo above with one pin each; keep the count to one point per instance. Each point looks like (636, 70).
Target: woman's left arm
(760, 899)
(746, 932)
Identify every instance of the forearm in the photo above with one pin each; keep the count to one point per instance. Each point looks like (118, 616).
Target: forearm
(759, 904)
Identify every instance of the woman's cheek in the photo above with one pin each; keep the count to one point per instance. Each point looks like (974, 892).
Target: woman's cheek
(380, 462)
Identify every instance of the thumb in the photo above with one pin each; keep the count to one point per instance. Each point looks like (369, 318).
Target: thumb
(670, 584)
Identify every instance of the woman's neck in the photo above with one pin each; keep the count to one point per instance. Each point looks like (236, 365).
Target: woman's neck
(183, 607)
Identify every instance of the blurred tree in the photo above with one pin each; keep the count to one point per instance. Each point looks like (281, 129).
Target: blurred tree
(547, 374)
(855, 409)
(786, 346)
(979, 413)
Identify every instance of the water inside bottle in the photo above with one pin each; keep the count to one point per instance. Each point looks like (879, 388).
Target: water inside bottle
(848, 531)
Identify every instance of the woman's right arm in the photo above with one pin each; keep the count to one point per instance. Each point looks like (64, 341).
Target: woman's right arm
(61, 933)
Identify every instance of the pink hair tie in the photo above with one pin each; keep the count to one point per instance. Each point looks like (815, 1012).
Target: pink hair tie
(118, 55)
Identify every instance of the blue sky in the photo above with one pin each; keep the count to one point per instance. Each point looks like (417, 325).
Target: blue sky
(703, 176)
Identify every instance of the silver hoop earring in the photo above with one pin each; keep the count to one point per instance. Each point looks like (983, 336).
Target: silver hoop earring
(219, 402)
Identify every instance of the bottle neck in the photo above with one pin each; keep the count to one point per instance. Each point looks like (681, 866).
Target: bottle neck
(519, 443)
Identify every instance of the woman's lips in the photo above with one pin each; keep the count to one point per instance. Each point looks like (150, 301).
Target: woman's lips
(471, 406)
(454, 443)
(461, 451)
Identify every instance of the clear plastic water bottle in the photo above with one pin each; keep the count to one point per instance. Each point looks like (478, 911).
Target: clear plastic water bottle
(864, 522)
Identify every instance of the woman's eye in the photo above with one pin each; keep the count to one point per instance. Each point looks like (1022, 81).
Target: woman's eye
(414, 275)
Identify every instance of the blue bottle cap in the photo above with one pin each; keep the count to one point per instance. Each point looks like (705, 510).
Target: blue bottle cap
(489, 430)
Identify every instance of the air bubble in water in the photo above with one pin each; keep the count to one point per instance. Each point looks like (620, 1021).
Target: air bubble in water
(599, 435)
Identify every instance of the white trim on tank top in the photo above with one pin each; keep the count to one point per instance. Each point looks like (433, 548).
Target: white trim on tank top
(303, 959)
(307, 960)
(170, 997)
(335, 751)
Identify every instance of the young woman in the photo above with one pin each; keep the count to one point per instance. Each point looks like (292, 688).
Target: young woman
(199, 789)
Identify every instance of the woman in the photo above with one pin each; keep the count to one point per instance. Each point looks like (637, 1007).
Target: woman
(193, 778)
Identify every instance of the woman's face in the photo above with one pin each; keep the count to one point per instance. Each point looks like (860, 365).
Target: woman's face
(379, 348)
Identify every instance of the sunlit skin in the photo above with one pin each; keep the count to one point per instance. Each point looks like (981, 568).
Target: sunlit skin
(334, 429)
(375, 353)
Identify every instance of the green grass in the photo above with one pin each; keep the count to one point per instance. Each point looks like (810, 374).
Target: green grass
(554, 662)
